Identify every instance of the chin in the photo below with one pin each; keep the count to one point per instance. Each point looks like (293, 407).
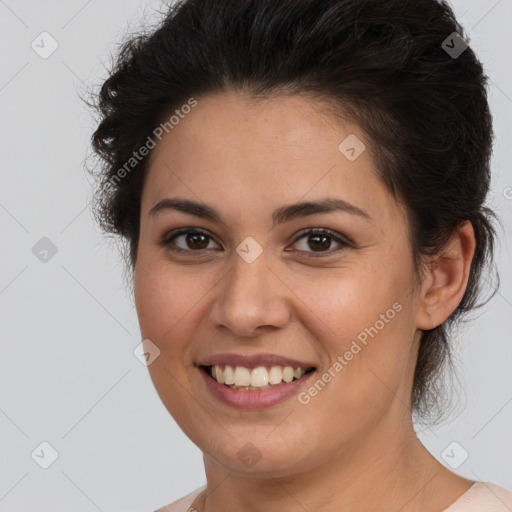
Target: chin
(252, 454)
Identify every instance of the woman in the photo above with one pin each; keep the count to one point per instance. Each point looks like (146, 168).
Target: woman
(301, 185)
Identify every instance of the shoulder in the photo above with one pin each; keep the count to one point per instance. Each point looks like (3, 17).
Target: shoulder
(483, 497)
(183, 504)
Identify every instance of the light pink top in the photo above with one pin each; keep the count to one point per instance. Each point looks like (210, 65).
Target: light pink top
(480, 497)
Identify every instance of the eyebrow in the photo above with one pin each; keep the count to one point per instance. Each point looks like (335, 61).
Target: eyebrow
(279, 216)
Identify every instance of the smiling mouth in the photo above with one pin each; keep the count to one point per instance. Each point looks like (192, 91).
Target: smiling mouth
(255, 379)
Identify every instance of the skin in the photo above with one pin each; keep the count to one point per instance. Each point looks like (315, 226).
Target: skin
(353, 446)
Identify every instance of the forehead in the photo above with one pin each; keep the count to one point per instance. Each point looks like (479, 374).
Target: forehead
(264, 153)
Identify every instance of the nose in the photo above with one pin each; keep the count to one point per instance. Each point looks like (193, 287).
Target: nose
(251, 298)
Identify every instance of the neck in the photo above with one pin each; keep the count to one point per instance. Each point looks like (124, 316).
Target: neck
(388, 469)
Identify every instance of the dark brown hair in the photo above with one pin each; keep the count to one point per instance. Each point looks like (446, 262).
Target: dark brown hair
(386, 65)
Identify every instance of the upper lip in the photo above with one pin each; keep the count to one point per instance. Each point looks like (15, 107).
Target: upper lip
(253, 361)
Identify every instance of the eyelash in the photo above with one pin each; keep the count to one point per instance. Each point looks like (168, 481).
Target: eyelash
(168, 239)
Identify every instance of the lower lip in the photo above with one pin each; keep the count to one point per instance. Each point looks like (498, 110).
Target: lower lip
(242, 399)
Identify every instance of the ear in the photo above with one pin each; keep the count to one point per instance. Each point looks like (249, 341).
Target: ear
(446, 279)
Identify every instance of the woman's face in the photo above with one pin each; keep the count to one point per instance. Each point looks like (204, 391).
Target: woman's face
(251, 287)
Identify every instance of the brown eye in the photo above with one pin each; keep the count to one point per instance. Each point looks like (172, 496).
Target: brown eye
(316, 240)
(320, 241)
(196, 241)
(191, 240)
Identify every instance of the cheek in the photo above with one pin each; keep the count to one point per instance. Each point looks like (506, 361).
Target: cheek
(341, 303)
(164, 297)
(151, 301)
(162, 309)
(363, 319)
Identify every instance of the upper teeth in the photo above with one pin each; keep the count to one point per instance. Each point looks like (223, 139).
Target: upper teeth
(259, 377)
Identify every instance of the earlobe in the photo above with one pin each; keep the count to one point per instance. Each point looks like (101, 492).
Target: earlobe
(446, 280)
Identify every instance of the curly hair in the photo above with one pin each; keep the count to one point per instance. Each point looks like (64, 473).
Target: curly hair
(384, 64)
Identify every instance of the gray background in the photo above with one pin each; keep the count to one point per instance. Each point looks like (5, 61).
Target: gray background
(68, 375)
